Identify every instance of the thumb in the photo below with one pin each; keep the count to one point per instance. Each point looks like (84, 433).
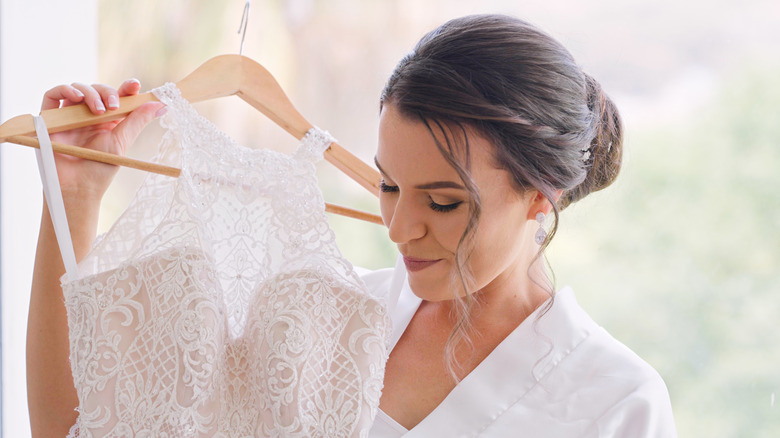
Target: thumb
(127, 130)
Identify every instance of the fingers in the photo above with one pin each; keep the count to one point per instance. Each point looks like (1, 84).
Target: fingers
(98, 97)
(92, 97)
(125, 132)
(129, 87)
(70, 94)
(109, 96)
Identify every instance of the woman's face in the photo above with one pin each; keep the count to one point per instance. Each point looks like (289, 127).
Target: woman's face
(425, 206)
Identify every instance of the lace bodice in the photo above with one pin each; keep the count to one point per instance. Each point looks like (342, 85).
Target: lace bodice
(219, 305)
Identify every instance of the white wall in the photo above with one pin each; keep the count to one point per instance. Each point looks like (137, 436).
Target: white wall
(42, 43)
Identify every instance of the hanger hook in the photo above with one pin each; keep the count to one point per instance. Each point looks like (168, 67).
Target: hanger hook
(243, 24)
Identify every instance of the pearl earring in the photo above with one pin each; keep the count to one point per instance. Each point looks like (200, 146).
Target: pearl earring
(541, 234)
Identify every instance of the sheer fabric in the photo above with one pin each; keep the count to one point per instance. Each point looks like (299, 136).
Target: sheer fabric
(219, 305)
(556, 375)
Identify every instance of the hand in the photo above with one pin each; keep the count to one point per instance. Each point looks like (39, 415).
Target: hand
(50, 392)
(84, 179)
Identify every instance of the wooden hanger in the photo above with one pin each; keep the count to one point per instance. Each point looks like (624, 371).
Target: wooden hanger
(223, 75)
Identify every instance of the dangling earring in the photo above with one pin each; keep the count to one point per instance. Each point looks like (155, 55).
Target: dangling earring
(541, 234)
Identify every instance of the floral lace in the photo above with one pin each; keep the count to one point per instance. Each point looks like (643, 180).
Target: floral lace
(219, 305)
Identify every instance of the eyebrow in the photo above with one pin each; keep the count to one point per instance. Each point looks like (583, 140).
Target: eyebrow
(430, 185)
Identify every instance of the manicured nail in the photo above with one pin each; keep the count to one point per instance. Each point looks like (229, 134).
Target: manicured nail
(161, 111)
(134, 80)
(78, 93)
(99, 106)
(113, 102)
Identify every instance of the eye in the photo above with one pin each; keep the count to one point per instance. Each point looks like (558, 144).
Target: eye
(444, 208)
(387, 188)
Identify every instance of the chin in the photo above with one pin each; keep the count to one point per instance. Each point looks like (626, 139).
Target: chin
(430, 289)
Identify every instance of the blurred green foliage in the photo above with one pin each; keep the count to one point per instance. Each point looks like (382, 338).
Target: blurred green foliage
(680, 259)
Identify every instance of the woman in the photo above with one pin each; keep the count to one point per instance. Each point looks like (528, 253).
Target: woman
(486, 127)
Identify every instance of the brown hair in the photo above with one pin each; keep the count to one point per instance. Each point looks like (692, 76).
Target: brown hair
(551, 125)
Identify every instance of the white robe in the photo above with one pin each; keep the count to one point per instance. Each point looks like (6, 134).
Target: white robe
(556, 375)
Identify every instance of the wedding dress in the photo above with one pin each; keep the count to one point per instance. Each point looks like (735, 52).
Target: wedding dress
(219, 305)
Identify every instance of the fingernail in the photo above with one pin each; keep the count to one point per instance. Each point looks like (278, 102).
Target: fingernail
(161, 111)
(78, 93)
(113, 102)
(99, 106)
(134, 80)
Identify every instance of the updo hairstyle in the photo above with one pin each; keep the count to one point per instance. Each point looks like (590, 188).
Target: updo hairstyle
(551, 125)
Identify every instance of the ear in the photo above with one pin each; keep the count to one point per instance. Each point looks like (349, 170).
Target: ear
(540, 204)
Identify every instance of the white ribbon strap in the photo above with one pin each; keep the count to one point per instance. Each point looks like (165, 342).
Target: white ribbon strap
(53, 194)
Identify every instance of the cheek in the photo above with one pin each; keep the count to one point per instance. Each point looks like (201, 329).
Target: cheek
(448, 228)
(498, 245)
(386, 208)
(494, 240)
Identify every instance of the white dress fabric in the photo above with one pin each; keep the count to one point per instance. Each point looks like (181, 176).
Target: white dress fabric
(218, 305)
(557, 375)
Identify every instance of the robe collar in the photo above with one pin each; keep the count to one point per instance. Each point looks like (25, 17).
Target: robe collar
(509, 372)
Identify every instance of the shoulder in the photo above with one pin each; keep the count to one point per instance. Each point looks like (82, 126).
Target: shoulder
(389, 285)
(631, 398)
(377, 281)
(380, 284)
(623, 394)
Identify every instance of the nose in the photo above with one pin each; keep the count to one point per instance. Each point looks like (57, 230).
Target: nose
(405, 223)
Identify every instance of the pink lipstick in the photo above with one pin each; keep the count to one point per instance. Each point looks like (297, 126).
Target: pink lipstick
(414, 264)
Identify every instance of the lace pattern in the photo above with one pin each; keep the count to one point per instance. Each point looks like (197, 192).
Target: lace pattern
(219, 305)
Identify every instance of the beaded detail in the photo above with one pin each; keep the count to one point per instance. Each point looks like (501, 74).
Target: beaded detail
(219, 305)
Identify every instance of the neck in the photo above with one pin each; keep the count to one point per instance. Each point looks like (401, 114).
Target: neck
(503, 304)
(511, 298)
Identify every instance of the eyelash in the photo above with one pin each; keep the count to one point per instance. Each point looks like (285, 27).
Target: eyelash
(433, 206)
(386, 188)
(444, 208)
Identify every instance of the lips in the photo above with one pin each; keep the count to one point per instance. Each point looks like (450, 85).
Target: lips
(414, 264)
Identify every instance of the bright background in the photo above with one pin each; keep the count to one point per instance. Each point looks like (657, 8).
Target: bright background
(679, 259)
